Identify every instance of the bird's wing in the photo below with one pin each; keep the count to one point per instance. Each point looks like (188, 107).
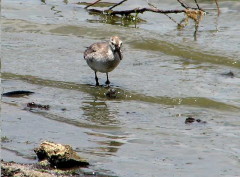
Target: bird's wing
(88, 51)
(99, 49)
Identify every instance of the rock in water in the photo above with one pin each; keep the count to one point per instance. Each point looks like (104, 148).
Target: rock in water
(190, 120)
(18, 93)
(228, 74)
(59, 156)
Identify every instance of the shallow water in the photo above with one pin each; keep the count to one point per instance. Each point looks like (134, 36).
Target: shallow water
(166, 76)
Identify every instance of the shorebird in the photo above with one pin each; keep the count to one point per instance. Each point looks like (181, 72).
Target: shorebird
(104, 56)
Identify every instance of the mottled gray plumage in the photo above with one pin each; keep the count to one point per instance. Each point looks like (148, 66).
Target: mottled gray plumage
(104, 56)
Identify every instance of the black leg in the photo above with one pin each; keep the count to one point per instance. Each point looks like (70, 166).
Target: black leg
(96, 78)
(107, 82)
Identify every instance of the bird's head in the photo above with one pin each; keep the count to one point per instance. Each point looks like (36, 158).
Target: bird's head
(115, 43)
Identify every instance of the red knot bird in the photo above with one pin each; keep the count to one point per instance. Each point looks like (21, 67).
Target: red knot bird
(104, 56)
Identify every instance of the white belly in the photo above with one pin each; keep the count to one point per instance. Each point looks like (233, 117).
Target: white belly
(103, 65)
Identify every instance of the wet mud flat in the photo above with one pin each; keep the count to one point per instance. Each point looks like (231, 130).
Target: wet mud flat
(54, 159)
(9, 169)
(108, 140)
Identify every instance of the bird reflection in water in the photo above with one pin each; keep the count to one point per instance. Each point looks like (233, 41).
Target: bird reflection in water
(98, 112)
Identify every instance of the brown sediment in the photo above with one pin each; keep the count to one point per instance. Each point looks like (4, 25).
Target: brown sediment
(16, 169)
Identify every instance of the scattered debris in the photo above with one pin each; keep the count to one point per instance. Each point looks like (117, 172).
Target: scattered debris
(5, 139)
(196, 14)
(32, 105)
(64, 109)
(190, 120)
(59, 156)
(17, 169)
(111, 93)
(228, 74)
(130, 112)
(18, 93)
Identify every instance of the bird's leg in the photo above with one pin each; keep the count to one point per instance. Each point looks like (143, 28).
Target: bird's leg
(96, 78)
(107, 82)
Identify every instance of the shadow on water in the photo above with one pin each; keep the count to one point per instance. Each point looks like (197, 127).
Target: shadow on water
(76, 122)
(100, 94)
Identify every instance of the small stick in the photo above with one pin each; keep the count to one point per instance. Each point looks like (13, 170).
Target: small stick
(172, 19)
(216, 1)
(183, 4)
(197, 4)
(117, 4)
(92, 4)
(164, 14)
(141, 10)
(151, 5)
(138, 10)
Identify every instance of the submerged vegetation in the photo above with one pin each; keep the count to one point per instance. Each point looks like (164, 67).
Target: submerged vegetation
(131, 15)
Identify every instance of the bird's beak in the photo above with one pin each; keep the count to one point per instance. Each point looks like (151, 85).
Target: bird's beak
(117, 47)
(118, 50)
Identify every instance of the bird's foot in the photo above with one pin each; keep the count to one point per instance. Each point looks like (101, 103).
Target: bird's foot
(107, 83)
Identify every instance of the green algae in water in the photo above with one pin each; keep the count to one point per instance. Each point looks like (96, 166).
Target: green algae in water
(99, 4)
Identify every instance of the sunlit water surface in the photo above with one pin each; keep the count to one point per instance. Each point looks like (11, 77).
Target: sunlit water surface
(166, 75)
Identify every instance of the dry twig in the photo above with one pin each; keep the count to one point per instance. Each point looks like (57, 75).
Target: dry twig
(197, 4)
(117, 4)
(137, 10)
(92, 4)
(193, 13)
(216, 1)
(183, 4)
(196, 15)
(151, 5)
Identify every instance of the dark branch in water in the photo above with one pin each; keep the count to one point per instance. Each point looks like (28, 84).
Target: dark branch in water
(196, 14)
(137, 10)
(197, 4)
(151, 5)
(117, 4)
(92, 4)
(172, 19)
(142, 10)
(183, 4)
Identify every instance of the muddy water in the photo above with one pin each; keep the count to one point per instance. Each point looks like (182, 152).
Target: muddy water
(166, 76)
